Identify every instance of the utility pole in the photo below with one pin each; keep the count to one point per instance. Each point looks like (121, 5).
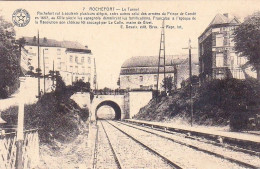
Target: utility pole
(162, 48)
(190, 77)
(20, 126)
(44, 88)
(39, 87)
(95, 75)
(175, 72)
(53, 74)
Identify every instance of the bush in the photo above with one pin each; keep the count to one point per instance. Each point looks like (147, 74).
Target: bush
(218, 102)
(57, 116)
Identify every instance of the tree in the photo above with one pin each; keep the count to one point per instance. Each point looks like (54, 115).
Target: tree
(168, 84)
(118, 82)
(9, 56)
(247, 40)
(31, 68)
(60, 85)
(82, 86)
(38, 70)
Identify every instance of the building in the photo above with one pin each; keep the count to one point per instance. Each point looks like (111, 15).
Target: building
(217, 57)
(141, 72)
(73, 60)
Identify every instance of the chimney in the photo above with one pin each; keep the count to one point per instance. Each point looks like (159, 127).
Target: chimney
(226, 15)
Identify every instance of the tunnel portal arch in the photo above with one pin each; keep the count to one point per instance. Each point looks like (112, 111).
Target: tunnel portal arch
(112, 104)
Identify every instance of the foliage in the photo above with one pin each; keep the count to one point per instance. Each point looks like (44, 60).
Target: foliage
(168, 84)
(57, 116)
(9, 56)
(60, 85)
(31, 68)
(247, 40)
(218, 102)
(194, 79)
(118, 82)
(38, 70)
(81, 86)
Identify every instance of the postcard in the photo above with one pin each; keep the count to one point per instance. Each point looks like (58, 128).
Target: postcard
(130, 84)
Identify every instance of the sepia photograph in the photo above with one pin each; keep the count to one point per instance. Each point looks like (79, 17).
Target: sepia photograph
(150, 84)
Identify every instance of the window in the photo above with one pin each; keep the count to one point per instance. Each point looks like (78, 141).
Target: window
(83, 69)
(226, 41)
(82, 59)
(89, 60)
(213, 39)
(141, 78)
(76, 78)
(89, 69)
(71, 58)
(155, 78)
(83, 78)
(219, 60)
(219, 40)
(76, 59)
(71, 68)
(46, 51)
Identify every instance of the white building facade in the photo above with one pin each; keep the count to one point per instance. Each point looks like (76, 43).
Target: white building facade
(73, 61)
(141, 72)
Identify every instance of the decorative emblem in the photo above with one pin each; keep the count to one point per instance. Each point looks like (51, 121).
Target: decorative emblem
(21, 17)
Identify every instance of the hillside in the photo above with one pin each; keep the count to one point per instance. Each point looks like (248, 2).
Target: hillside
(216, 103)
(57, 116)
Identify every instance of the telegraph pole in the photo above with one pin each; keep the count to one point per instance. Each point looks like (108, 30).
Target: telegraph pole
(43, 71)
(39, 87)
(95, 75)
(190, 77)
(20, 126)
(53, 74)
(162, 48)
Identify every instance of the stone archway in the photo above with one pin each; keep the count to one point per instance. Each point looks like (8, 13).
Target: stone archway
(112, 104)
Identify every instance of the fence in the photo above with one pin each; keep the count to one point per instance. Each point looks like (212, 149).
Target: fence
(30, 150)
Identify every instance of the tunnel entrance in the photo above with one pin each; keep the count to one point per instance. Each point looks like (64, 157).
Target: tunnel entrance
(107, 105)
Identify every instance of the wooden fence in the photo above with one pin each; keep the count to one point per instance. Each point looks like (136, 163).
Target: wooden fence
(30, 150)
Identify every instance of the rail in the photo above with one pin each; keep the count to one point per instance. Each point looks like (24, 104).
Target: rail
(244, 144)
(241, 163)
(168, 161)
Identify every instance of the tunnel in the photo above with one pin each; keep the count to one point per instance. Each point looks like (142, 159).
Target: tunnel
(113, 105)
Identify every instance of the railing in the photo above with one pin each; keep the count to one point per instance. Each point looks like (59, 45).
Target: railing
(30, 150)
(109, 92)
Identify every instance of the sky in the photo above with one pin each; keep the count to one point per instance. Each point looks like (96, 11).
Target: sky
(111, 45)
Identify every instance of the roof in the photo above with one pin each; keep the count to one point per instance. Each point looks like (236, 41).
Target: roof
(152, 61)
(221, 19)
(32, 41)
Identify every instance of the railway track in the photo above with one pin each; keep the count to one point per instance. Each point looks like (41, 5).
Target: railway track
(246, 146)
(217, 141)
(117, 149)
(221, 154)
